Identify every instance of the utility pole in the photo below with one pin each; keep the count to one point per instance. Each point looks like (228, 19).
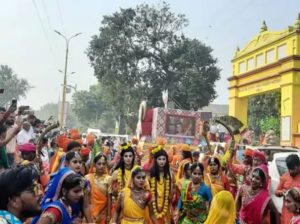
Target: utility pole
(63, 102)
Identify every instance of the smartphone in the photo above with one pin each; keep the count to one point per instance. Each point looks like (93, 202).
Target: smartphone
(14, 102)
(1, 91)
(22, 108)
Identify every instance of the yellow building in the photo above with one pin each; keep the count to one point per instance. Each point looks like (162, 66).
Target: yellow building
(270, 61)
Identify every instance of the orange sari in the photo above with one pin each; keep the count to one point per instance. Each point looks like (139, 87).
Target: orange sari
(100, 191)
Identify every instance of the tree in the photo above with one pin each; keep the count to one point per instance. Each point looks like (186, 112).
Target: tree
(51, 109)
(13, 86)
(140, 52)
(262, 110)
(88, 105)
(270, 123)
(92, 111)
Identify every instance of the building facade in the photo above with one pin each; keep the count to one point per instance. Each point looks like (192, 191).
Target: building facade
(269, 62)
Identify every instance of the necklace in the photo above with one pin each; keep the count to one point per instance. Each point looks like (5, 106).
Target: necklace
(160, 213)
(253, 192)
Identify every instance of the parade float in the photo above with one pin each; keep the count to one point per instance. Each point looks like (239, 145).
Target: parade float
(175, 125)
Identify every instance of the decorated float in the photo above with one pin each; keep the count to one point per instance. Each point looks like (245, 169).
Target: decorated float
(175, 125)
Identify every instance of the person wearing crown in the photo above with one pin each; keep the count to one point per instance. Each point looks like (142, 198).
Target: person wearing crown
(134, 201)
(161, 182)
(121, 173)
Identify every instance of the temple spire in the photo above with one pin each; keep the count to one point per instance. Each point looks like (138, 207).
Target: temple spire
(237, 50)
(263, 27)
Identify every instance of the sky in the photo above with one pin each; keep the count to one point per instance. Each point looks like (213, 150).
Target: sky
(29, 45)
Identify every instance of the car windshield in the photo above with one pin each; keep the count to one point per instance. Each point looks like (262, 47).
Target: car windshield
(281, 166)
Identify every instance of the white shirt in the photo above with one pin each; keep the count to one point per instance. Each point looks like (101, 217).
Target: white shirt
(24, 137)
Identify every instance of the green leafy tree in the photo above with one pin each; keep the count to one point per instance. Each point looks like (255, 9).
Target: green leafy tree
(92, 111)
(270, 123)
(88, 105)
(142, 51)
(13, 86)
(263, 110)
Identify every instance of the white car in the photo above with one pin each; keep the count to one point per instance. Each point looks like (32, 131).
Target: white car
(277, 167)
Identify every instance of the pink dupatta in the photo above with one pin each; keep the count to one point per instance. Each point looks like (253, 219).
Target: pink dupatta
(295, 220)
(253, 208)
(252, 211)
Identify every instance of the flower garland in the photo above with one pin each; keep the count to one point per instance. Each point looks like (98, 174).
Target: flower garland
(120, 180)
(160, 213)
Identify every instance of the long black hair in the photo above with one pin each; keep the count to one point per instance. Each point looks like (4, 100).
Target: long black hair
(121, 163)
(187, 155)
(71, 181)
(195, 165)
(154, 171)
(70, 155)
(99, 156)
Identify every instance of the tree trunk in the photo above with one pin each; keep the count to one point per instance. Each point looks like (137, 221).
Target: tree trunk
(122, 124)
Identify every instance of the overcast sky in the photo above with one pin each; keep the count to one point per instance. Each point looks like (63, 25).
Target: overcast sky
(30, 47)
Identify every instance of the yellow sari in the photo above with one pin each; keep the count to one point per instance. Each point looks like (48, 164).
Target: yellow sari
(132, 212)
(100, 190)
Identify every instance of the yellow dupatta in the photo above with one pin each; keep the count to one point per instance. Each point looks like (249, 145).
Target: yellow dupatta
(222, 210)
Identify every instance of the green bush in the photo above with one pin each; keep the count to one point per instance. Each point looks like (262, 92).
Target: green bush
(270, 123)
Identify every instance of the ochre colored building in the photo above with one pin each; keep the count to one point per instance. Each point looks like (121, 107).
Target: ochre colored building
(270, 61)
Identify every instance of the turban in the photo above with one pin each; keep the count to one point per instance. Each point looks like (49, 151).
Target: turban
(259, 155)
(14, 181)
(74, 134)
(90, 139)
(27, 147)
(248, 152)
(85, 151)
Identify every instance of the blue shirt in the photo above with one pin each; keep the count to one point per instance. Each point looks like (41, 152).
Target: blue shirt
(8, 218)
(204, 191)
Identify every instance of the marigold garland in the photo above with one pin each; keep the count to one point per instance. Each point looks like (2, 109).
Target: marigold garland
(162, 212)
(120, 180)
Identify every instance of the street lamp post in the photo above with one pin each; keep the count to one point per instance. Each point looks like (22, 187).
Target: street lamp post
(62, 112)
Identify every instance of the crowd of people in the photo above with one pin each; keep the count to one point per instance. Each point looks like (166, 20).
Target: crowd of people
(49, 177)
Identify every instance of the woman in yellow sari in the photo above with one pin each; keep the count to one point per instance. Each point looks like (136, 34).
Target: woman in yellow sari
(100, 183)
(121, 173)
(215, 178)
(133, 206)
(161, 183)
(222, 209)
